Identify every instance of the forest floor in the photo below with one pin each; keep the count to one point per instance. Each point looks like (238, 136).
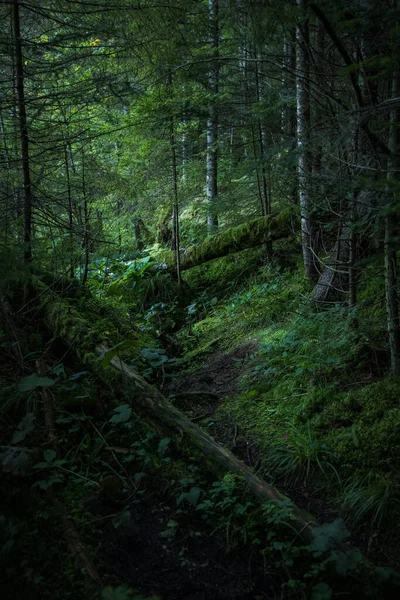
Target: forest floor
(296, 395)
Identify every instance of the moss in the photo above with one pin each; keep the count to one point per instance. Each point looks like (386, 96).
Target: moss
(222, 275)
(68, 323)
(235, 239)
(201, 351)
(364, 426)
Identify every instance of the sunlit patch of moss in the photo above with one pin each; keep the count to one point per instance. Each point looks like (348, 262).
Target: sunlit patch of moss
(255, 413)
(364, 425)
(264, 300)
(221, 275)
(201, 351)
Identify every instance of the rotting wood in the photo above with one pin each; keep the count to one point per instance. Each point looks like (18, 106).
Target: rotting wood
(248, 235)
(154, 407)
(151, 403)
(165, 417)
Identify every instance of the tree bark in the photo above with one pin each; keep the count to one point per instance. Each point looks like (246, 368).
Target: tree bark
(175, 205)
(65, 321)
(23, 130)
(86, 224)
(212, 122)
(391, 230)
(303, 127)
(249, 235)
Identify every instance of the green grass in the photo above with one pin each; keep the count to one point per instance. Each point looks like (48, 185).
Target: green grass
(374, 497)
(298, 456)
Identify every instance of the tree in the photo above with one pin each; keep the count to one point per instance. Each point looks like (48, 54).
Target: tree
(212, 119)
(303, 139)
(24, 133)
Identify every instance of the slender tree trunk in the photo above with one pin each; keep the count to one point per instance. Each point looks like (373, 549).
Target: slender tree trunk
(212, 123)
(184, 150)
(86, 225)
(260, 194)
(70, 212)
(319, 112)
(353, 254)
(23, 129)
(8, 186)
(138, 234)
(391, 230)
(303, 126)
(285, 85)
(175, 204)
(261, 141)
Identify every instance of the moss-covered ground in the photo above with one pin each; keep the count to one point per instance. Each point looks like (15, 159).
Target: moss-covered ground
(299, 393)
(312, 394)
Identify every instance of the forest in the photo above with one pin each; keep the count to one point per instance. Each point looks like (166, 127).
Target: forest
(199, 299)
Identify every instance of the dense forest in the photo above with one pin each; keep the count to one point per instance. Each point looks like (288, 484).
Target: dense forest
(199, 299)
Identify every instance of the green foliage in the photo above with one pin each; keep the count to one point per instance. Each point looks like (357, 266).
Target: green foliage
(33, 381)
(374, 497)
(314, 348)
(122, 414)
(321, 591)
(329, 534)
(223, 275)
(25, 427)
(297, 455)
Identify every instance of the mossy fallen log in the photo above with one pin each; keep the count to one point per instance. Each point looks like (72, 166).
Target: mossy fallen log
(248, 235)
(66, 322)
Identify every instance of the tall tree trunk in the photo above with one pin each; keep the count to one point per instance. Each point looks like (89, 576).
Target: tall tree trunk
(259, 189)
(391, 230)
(288, 113)
(86, 224)
(137, 232)
(303, 127)
(212, 123)
(70, 212)
(8, 192)
(261, 140)
(23, 129)
(175, 205)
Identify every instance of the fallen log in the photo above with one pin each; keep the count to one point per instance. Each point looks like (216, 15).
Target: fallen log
(66, 322)
(248, 235)
(148, 401)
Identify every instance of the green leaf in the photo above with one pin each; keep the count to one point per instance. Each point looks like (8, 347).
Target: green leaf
(122, 414)
(24, 428)
(321, 591)
(49, 455)
(193, 496)
(155, 356)
(15, 461)
(162, 446)
(124, 523)
(328, 533)
(345, 561)
(33, 381)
